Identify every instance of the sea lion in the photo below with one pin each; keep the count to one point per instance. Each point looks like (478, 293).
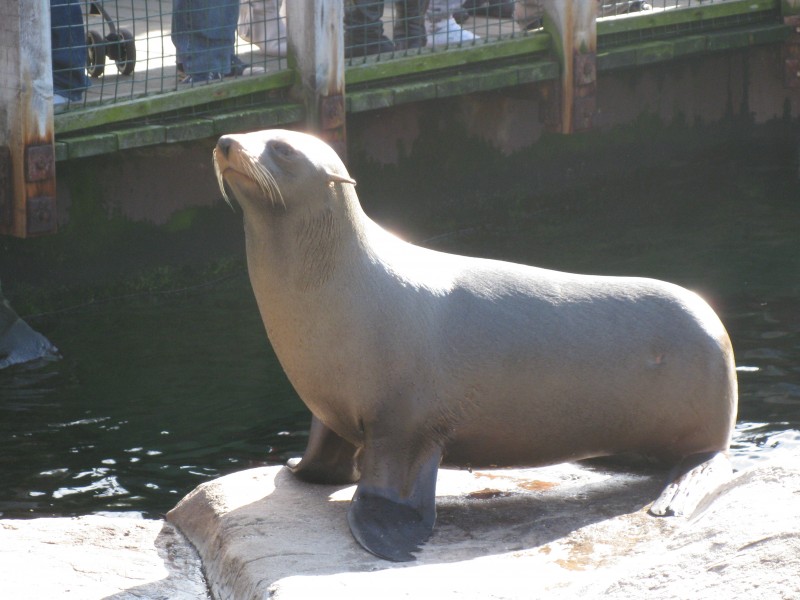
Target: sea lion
(408, 357)
(19, 343)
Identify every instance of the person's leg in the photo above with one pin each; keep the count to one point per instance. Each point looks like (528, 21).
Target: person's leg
(528, 13)
(204, 34)
(68, 39)
(260, 23)
(500, 9)
(409, 25)
(363, 32)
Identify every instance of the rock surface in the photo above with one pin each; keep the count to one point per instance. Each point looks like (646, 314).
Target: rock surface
(97, 557)
(570, 530)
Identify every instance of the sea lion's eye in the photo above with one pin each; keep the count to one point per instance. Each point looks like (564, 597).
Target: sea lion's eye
(283, 149)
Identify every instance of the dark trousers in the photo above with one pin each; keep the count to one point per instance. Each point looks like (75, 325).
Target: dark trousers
(68, 39)
(364, 28)
(204, 34)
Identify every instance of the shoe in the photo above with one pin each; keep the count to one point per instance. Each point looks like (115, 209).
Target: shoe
(240, 68)
(60, 103)
(200, 78)
(445, 33)
(409, 25)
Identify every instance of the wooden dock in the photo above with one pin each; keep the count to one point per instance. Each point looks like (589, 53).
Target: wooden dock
(155, 71)
(555, 67)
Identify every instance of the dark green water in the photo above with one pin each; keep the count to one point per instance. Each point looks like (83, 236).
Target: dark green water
(158, 392)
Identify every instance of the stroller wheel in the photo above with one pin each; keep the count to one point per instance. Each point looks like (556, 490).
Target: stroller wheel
(95, 54)
(122, 50)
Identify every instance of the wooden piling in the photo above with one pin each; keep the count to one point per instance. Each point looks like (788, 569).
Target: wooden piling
(572, 25)
(315, 32)
(27, 155)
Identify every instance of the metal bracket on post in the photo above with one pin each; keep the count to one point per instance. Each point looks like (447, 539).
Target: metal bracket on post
(40, 211)
(40, 215)
(40, 163)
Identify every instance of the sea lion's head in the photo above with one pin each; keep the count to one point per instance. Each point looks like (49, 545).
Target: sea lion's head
(269, 169)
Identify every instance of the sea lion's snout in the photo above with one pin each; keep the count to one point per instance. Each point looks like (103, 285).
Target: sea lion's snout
(224, 153)
(221, 156)
(241, 175)
(224, 145)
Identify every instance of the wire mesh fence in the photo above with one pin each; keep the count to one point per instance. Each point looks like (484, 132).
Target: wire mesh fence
(115, 50)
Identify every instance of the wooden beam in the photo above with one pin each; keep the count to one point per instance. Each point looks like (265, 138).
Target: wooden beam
(315, 34)
(573, 27)
(27, 153)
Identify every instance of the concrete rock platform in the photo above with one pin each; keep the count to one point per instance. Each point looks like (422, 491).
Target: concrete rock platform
(96, 557)
(569, 531)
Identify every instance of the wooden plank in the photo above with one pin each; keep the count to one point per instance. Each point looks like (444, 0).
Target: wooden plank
(445, 86)
(682, 16)
(92, 145)
(652, 52)
(186, 131)
(150, 106)
(377, 68)
(258, 118)
(136, 137)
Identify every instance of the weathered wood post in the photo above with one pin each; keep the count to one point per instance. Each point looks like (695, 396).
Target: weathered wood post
(791, 48)
(315, 32)
(573, 27)
(27, 153)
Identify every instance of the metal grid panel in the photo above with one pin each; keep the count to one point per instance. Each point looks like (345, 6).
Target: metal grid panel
(130, 49)
(130, 45)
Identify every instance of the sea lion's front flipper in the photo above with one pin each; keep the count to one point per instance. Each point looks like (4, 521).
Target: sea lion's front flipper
(394, 507)
(690, 481)
(328, 458)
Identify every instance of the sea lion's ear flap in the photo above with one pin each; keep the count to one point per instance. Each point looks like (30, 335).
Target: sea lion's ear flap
(336, 178)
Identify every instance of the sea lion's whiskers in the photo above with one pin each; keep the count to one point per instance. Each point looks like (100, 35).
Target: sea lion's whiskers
(220, 181)
(260, 176)
(265, 181)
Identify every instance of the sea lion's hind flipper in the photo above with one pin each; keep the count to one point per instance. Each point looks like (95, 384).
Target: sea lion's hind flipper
(394, 507)
(690, 481)
(328, 458)
(389, 529)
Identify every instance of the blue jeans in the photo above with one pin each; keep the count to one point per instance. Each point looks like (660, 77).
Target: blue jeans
(204, 34)
(68, 39)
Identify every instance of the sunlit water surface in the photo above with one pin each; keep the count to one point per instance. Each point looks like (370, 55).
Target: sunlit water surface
(156, 394)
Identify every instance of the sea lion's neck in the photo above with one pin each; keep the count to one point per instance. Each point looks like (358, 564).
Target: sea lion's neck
(292, 259)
